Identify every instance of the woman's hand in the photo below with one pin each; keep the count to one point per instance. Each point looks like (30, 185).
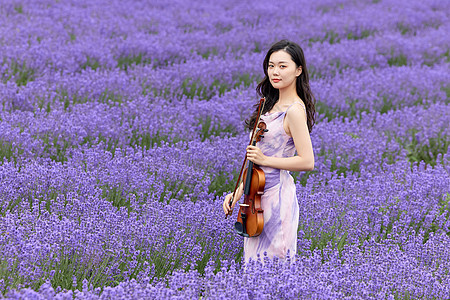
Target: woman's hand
(226, 203)
(255, 155)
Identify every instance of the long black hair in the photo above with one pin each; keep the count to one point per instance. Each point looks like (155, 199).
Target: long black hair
(265, 88)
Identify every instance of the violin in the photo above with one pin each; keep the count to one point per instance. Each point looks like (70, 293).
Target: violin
(250, 220)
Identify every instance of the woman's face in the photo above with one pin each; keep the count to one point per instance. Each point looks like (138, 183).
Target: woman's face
(282, 70)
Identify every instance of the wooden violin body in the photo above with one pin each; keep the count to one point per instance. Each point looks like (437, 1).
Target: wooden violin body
(250, 220)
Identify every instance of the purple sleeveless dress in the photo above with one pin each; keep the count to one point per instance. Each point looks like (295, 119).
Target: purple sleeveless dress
(279, 202)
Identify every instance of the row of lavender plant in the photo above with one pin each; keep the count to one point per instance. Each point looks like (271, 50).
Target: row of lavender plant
(117, 143)
(380, 271)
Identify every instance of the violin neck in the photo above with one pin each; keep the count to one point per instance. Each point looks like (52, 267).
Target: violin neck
(248, 179)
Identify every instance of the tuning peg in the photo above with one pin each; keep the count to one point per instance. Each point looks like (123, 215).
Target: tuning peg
(265, 130)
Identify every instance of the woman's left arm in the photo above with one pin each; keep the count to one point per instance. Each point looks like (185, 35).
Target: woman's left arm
(298, 129)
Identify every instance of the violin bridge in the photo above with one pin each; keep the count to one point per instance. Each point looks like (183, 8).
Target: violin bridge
(242, 204)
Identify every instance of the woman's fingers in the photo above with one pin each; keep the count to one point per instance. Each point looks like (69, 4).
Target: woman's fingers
(226, 204)
(251, 153)
(252, 149)
(255, 155)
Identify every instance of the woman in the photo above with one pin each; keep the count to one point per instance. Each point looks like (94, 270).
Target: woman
(289, 115)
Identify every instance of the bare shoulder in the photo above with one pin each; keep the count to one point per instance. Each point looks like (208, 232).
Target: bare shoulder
(295, 119)
(296, 112)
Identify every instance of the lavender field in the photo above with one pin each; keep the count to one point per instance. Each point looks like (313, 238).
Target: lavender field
(122, 128)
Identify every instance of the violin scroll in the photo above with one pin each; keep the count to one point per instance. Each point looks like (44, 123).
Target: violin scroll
(260, 131)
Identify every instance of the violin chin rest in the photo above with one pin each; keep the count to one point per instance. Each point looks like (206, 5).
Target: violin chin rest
(239, 228)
